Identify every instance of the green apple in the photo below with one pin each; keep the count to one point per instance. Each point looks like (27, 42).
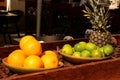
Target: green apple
(85, 53)
(97, 53)
(102, 51)
(78, 47)
(83, 43)
(67, 49)
(108, 49)
(76, 54)
(90, 46)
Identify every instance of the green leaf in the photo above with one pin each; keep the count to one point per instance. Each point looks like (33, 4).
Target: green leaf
(97, 14)
(84, 11)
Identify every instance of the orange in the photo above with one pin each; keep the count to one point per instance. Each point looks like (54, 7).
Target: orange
(50, 52)
(33, 61)
(24, 39)
(30, 45)
(16, 58)
(50, 61)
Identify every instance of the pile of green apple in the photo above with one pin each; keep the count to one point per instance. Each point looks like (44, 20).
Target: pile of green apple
(87, 49)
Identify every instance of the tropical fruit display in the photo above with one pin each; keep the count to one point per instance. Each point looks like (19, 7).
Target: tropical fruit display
(99, 43)
(30, 55)
(87, 50)
(98, 15)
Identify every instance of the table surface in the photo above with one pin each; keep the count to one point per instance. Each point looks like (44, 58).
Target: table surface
(99, 70)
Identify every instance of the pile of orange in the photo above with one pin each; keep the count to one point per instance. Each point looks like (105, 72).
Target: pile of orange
(30, 45)
(30, 55)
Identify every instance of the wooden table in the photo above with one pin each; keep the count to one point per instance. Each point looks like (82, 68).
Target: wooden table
(100, 70)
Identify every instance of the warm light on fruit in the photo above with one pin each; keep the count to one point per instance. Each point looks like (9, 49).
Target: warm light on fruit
(49, 52)
(30, 46)
(50, 61)
(25, 39)
(67, 49)
(89, 50)
(33, 61)
(16, 58)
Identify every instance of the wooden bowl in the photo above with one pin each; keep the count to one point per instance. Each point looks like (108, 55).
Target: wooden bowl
(78, 60)
(21, 70)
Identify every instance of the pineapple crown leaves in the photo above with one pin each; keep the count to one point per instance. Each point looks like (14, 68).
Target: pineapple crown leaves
(97, 15)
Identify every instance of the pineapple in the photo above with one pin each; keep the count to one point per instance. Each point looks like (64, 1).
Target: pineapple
(99, 17)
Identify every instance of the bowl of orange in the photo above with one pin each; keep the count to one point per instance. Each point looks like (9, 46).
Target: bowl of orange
(22, 70)
(30, 58)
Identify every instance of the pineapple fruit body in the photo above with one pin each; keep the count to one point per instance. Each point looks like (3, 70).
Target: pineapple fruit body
(100, 38)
